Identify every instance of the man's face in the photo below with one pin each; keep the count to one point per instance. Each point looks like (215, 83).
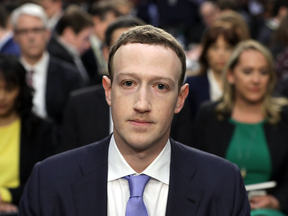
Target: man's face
(51, 7)
(31, 35)
(100, 26)
(144, 96)
(81, 40)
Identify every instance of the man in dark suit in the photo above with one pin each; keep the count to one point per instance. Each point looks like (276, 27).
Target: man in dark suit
(146, 69)
(52, 79)
(71, 40)
(87, 118)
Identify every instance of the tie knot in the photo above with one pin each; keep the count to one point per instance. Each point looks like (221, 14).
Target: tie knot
(137, 184)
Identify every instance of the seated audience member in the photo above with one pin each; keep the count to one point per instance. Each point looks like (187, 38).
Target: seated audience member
(87, 117)
(53, 9)
(218, 43)
(280, 51)
(24, 138)
(103, 13)
(72, 39)
(7, 44)
(237, 22)
(280, 10)
(52, 79)
(161, 176)
(248, 126)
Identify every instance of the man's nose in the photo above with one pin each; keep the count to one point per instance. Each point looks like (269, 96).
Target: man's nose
(142, 103)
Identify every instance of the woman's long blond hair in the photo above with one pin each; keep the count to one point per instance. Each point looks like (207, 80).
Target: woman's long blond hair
(271, 107)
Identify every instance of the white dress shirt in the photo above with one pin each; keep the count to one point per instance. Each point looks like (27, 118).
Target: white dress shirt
(156, 191)
(39, 78)
(215, 90)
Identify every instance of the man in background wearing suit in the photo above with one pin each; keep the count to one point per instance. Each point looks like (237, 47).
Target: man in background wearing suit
(138, 170)
(53, 9)
(52, 80)
(71, 40)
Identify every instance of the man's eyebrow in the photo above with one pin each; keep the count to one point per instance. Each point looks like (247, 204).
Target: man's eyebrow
(153, 76)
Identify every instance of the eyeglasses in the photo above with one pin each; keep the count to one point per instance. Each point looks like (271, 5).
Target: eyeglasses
(23, 32)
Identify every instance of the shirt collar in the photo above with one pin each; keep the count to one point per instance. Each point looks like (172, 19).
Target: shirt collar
(118, 167)
(39, 66)
(214, 86)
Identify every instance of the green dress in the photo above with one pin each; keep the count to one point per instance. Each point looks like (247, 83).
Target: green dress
(248, 149)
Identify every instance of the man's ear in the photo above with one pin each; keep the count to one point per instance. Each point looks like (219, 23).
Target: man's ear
(181, 98)
(106, 82)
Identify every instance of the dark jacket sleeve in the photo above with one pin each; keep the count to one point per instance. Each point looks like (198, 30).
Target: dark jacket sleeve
(281, 158)
(30, 204)
(181, 128)
(37, 142)
(69, 137)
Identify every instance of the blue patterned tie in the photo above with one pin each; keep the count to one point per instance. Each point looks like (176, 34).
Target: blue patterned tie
(135, 204)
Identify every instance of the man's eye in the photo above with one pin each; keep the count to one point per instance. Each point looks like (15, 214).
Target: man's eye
(161, 86)
(128, 83)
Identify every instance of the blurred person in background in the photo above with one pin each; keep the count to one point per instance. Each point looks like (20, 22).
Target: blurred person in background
(248, 126)
(280, 10)
(209, 12)
(103, 13)
(7, 44)
(53, 9)
(228, 18)
(279, 50)
(25, 138)
(71, 40)
(280, 39)
(217, 44)
(237, 22)
(52, 79)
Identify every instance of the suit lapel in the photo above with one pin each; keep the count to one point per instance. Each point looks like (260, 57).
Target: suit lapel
(90, 190)
(184, 195)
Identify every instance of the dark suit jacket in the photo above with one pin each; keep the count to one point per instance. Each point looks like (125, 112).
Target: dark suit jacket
(62, 79)
(198, 92)
(213, 136)
(11, 47)
(75, 183)
(86, 119)
(37, 141)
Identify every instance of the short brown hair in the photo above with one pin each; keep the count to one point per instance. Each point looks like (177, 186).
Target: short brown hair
(210, 37)
(74, 18)
(148, 34)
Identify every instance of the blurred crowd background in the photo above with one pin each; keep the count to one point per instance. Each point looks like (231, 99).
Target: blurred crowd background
(53, 55)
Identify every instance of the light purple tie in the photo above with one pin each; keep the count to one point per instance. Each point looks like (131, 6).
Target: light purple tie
(135, 204)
